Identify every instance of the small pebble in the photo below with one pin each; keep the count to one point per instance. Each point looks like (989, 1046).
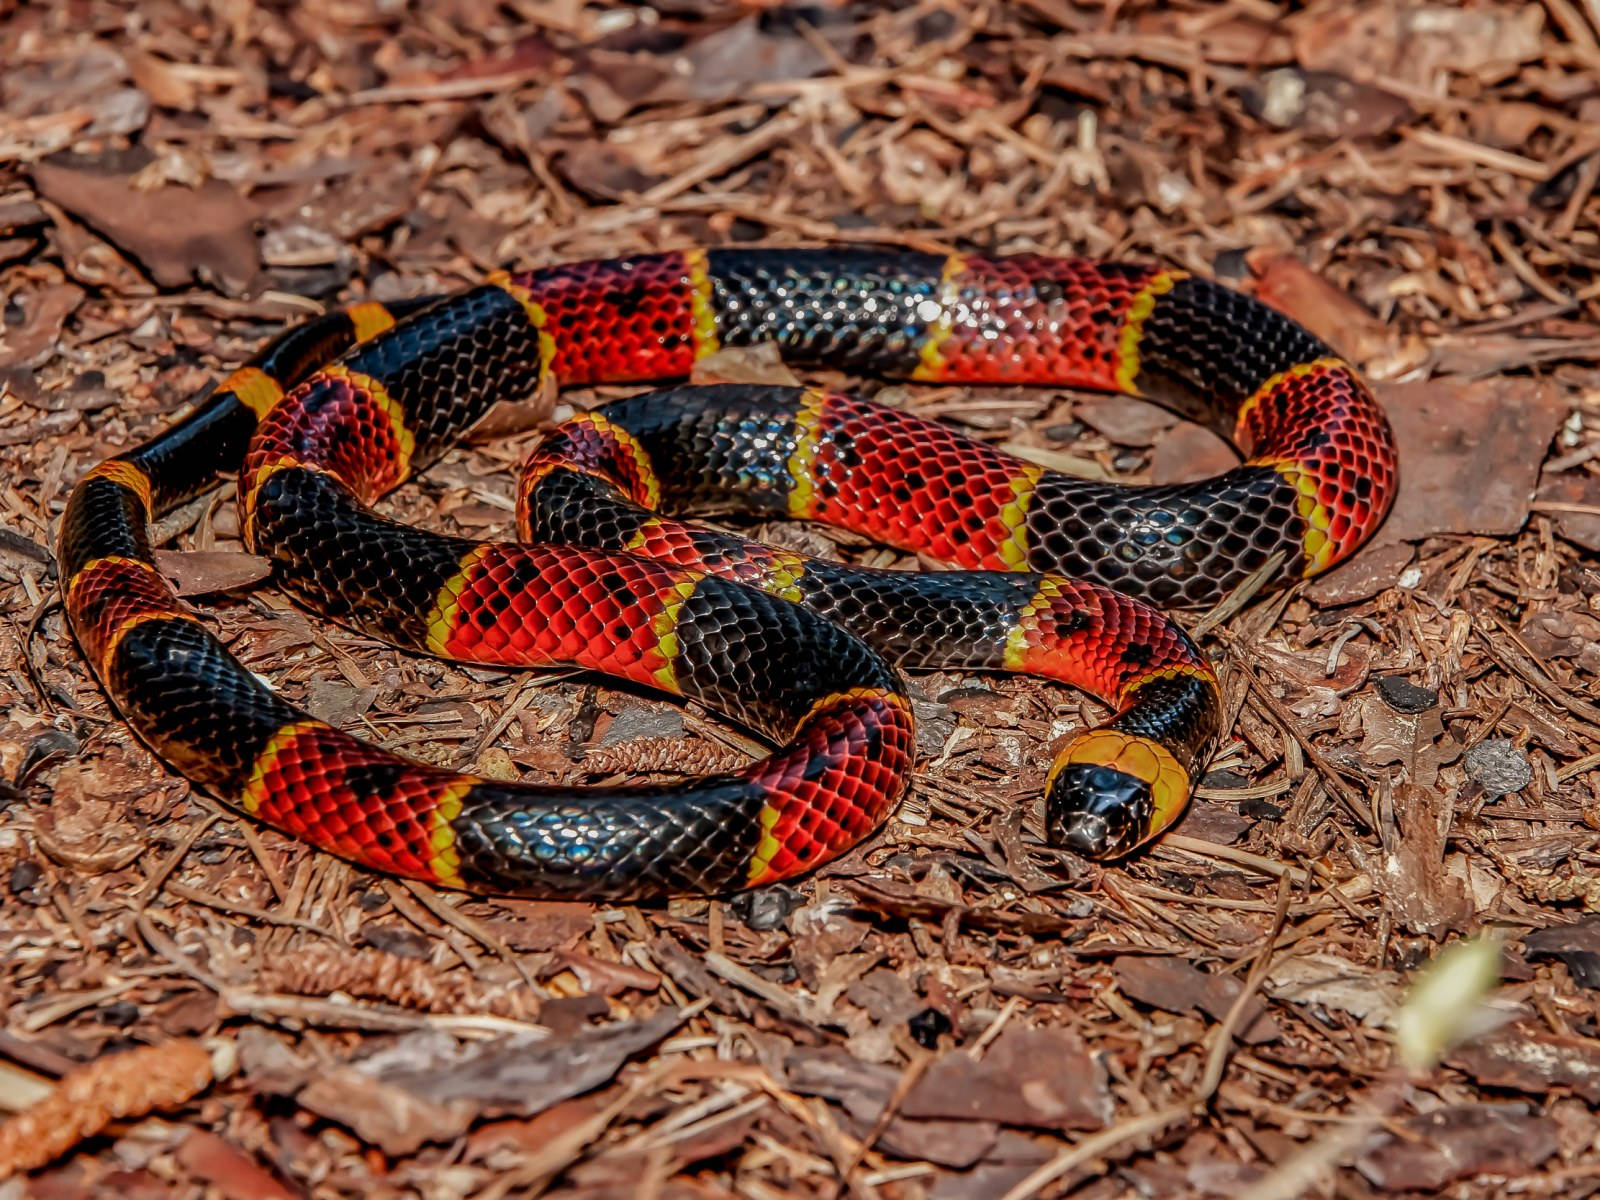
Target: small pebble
(396, 940)
(1404, 696)
(25, 877)
(927, 1027)
(1071, 431)
(766, 908)
(1499, 767)
(1224, 778)
(1260, 809)
(121, 1013)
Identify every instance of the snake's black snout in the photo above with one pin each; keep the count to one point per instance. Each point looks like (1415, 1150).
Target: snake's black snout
(1097, 811)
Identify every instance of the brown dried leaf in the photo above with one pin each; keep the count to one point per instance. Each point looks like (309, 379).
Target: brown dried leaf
(1287, 284)
(604, 171)
(761, 363)
(387, 193)
(395, 1120)
(1417, 741)
(1373, 569)
(232, 1172)
(44, 314)
(163, 82)
(179, 234)
(207, 572)
(1413, 42)
(602, 978)
(864, 1088)
(1175, 985)
(1336, 983)
(1189, 452)
(1323, 104)
(715, 67)
(1429, 1150)
(86, 88)
(1124, 420)
(1041, 1078)
(85, 827)
(1559, 633)
(1470, 453)
(424, 1087)
(1579, 491)
(1576, 944)
(534, 926)
(1410, 868)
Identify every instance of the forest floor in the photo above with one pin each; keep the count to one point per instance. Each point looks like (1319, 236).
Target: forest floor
(953, 1010)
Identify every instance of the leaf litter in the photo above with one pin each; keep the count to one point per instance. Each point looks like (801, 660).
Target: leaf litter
(952, 1010)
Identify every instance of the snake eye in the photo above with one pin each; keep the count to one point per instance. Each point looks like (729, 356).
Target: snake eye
(1097, 811)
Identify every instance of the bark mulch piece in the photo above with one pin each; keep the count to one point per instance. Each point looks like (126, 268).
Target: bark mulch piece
(196, 1006)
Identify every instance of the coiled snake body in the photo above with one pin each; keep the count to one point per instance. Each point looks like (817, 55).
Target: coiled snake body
(1058, 576)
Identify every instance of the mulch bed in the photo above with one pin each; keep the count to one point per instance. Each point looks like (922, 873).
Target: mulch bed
(196, 1006)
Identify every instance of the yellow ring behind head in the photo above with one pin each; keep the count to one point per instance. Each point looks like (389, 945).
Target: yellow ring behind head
(1140, 757)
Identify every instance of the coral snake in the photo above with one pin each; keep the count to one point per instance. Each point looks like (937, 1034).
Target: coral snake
(1058, 577)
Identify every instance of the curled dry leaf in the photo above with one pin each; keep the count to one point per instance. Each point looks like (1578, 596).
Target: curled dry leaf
(207, 572)
(1287, 284)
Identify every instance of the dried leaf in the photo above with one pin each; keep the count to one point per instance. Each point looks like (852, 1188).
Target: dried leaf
(234, 1174)
(425, 1088)
(1042, 1078)
(178, 234)
(761, 363)
(207, 572)
(1176, 985)
(1492, 432)
(1577, 945)
(1287, 284)
(1432, 1149)
(864, 1088)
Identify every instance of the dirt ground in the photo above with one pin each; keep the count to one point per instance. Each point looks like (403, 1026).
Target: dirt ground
(203, 1007)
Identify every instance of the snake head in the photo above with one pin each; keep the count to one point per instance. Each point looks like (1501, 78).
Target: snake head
(1110, 792)
(1097, 811)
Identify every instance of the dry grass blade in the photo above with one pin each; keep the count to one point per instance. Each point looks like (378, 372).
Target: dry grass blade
(1235, 601)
